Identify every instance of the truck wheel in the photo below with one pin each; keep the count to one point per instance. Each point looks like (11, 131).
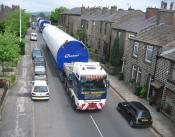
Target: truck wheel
(73, 103)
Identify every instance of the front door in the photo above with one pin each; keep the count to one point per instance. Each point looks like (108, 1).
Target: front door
(149, 91)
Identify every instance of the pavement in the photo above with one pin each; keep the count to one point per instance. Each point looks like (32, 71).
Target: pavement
(161, 124)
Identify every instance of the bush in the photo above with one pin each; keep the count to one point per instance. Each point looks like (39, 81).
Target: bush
(22, 47)
(13, 78)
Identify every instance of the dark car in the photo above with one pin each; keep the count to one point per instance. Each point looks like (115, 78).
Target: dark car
(40, 73)
(136, 113)
(36, 52)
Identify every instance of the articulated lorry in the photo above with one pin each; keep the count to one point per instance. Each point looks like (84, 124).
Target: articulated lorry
(85, 82)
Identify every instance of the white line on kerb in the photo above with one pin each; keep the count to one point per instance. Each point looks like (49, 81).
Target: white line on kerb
(96, 125)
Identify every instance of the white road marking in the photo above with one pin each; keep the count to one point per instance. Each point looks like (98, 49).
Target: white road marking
(33, 121)
(96, 125)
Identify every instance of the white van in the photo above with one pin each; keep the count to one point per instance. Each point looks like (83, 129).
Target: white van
(33, 36)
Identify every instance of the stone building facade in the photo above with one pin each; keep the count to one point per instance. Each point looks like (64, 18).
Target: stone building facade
(165, 73)
(70, 20)
(141, 60)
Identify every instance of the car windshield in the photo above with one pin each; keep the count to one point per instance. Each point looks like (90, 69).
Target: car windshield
(39, 58)
(40, 68)
(144, 114)
(93, 84)
(37, 52)
(40, 89)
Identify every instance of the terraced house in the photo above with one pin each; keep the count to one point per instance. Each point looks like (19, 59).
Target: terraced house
(165, 76)
(142, 56)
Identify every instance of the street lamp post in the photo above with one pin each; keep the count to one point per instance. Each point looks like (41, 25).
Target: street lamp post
(20, 21)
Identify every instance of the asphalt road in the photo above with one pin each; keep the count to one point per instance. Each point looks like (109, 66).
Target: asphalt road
(56, 118)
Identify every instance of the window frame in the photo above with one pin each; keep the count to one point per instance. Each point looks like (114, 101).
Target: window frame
(146, 56)
(134, 68)
(139, 71)
(171, 72)
(135, 47)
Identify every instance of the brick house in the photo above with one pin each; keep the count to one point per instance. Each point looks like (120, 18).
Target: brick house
(165, 75)
(89, 27)
(130, 28)
(103, 26)
(141, 59)
(70, 20)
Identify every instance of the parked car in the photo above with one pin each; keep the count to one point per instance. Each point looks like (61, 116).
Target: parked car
(136, 113)
(39, 59)
(40, 90)
(33, 25)
(33, 36)
(36, 52)
(40, 73)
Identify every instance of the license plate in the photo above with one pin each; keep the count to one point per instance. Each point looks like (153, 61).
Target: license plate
(144, 120)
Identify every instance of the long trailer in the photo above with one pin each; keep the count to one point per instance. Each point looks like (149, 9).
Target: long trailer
(86, 82)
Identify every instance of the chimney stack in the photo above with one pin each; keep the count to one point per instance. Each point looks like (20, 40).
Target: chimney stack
(113, 9)
(163, 5)
(171, 6)
(150, 12)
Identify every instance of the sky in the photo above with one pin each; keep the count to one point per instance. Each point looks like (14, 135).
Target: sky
(49, 5)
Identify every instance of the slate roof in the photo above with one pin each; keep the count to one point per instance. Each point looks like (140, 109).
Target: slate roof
(169, 51)
(170, 56)
(136, 23)
(159, 35)
(73, 11)
(110, 17)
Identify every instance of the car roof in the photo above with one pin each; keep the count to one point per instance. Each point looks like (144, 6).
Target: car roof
(36, 48)
(40, 83)
(138, 105)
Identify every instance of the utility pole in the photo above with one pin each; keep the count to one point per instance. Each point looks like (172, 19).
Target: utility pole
(20, 21)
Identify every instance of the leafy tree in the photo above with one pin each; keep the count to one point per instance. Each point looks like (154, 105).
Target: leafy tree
(12, 23)
(114, 56)
(41, 14)
(2, 27)
(79, 34)
(55, 15)
(9, 49)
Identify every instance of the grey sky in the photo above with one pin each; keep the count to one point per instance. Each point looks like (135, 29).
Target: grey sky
(48, 5)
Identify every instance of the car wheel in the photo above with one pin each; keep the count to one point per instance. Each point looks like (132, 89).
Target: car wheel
(131, 123)
(118, 109)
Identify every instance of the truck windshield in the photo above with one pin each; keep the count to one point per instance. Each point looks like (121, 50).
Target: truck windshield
(93, 84)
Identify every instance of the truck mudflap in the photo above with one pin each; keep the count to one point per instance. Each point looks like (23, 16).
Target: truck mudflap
(91, 106)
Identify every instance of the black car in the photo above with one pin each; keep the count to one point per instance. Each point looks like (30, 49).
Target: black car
(136, 113)
(36, 52)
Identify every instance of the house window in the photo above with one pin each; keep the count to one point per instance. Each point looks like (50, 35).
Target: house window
(134, 72)
(138, 77)
(149, 54)
(172, 73)
(131, 35)
(101, 25)
(135, 49)
(106, 28)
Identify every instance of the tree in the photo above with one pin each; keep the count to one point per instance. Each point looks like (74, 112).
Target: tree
(2, 27)
(41, 14)
(9, 49)
(12, 22)
(115, 56)
(55, 15)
